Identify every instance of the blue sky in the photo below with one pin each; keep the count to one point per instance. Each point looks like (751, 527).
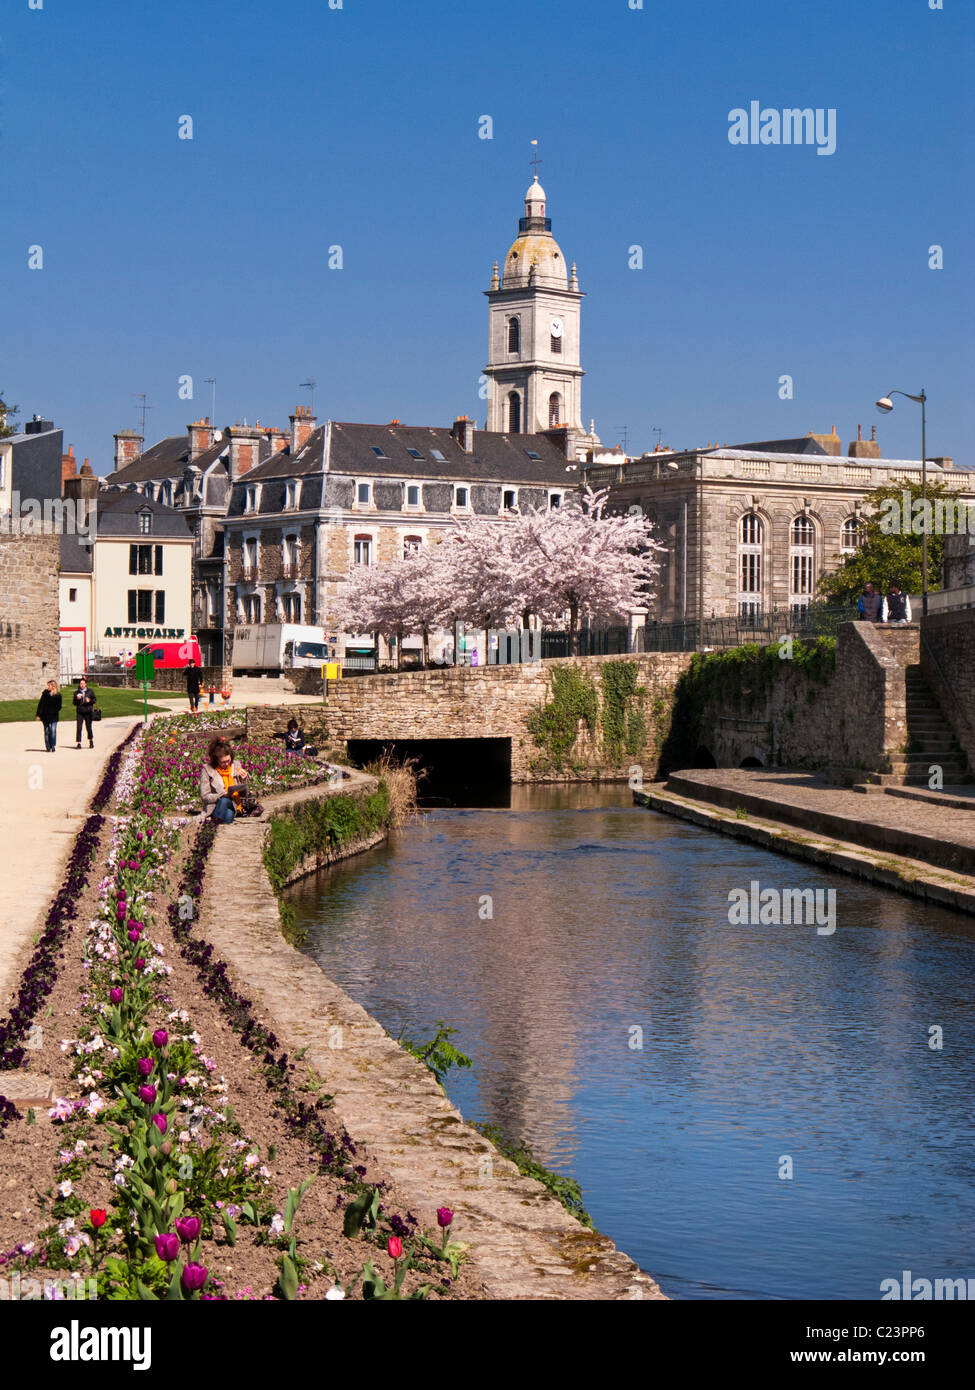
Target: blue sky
(359, 127)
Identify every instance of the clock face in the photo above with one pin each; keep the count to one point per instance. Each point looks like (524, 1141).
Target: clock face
(556, 327)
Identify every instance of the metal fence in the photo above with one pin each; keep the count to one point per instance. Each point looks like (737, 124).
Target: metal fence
(739, 630)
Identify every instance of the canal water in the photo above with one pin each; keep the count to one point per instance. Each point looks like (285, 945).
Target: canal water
(676, 1065)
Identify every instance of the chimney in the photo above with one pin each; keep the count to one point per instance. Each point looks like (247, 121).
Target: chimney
(864, 448)
(829, 443)
(463, 431)
(277, 439)
(69, 466)
(303, 423)
(201, 437)
(82, 487)
(943, 461)
(38, 425)
(245, 449)
(128, 447)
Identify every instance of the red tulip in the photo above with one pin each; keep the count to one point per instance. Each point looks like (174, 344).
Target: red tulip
(98, 1218)
(394, 1247)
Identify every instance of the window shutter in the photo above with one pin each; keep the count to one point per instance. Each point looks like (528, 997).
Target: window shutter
(133, 560)
(160, 603)
(159, 550)
(133, 612)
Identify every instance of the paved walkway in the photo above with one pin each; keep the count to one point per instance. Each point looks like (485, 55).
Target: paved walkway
(44, 797)
(939, 833)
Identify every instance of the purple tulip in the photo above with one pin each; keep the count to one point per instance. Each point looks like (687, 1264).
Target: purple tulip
(139, 964)
(160, 1038)
(444, 1217)
(194, 1277)
(188, 1229)
(167, 1246)
(120, 911)
(147, 1093)
(145, 1065)
(116, 995)
(161, 1123)
(134, 934)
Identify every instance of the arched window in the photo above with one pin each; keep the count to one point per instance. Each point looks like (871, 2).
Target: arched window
(802, 562)
(554, 410)
(851, 536)
(514, 413)
(514, 335)
(751, 545)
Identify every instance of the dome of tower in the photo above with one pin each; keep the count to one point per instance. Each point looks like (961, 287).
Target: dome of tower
(541, 250)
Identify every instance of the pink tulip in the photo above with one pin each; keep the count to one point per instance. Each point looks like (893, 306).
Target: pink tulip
(161, 1123)
(394, 1247)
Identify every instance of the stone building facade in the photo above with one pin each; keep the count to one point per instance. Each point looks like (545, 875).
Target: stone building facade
(752, 529)
(351, 494)
(28, 613)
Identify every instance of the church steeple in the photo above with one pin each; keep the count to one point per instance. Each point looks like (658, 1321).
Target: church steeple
(534, 374)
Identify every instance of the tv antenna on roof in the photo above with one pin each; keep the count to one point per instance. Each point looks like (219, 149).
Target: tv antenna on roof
(141, 396)
(309, 385)
(211, 381)
(658, 432)
(624, 432)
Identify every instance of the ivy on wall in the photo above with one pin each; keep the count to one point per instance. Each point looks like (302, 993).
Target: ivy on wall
(554, 726)
(743, 679)
(623, 721)
(614, 710)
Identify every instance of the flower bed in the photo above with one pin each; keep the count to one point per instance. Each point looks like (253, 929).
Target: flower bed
(156, 1177)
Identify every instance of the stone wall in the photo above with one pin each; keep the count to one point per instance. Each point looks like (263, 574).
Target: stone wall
(489, 702)
(850, 724)
(29, 570)
(948, 663)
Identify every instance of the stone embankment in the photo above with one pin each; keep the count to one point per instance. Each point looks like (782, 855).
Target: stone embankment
(523, 1243)
(919, 843)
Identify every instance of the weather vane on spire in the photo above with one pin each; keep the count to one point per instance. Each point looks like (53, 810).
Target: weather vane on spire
(535, 161)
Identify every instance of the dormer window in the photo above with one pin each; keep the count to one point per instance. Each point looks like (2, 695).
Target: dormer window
(413, 495)
(250, 504)
(145, 522)
(509, 500)
(291, 493)
(554, 501)
(462, 497)
(363, 494)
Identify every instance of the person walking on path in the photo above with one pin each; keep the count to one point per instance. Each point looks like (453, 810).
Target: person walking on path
(870, 604)
(897, 606)
(49, 712)
(193, 685)
(222, 789)
(84, 704)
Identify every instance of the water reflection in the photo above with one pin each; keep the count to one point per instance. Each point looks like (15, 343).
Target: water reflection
(757, 1042)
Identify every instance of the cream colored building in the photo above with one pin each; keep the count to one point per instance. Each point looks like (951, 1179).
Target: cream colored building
(142, 572)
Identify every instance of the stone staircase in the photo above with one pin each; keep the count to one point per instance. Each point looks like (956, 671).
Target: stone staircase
(930, 740)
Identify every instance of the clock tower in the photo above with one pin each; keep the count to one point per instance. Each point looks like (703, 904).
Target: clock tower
(533, 371)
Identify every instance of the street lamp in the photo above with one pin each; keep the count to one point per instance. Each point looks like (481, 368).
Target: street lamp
(886, 405)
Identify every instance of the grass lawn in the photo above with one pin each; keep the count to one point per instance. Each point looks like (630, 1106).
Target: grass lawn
(110, 701)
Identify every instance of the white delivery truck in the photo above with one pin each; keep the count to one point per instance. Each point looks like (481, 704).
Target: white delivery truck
(270, 648)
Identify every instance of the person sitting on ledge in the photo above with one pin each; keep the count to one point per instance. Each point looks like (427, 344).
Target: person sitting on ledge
(294, 740)
(222, 786)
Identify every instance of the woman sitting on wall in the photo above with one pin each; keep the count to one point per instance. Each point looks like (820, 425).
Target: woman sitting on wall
(222, 788)
(294, 740)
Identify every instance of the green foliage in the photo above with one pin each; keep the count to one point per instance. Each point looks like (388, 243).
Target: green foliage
(7, 412)
(623, 722)
(361, 1213)
(439, 1054)
(321, 825)
(885, 557)
(743, 679)
(554, 725)
(565, 1190)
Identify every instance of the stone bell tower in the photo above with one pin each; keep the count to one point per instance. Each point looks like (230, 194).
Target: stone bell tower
(533, 370)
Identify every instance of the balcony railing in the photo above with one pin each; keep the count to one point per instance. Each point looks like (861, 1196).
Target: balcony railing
(249, 572)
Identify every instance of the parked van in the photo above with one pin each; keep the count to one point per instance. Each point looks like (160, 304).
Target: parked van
(170, 656)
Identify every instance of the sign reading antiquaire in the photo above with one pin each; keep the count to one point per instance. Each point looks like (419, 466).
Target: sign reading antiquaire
(148, 632)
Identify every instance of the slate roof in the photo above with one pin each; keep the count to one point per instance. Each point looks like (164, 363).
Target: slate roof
(118, 516)
(75, 554)
(914, 464)
(283, 464)
(497, 457)
(805, 444)
(162, 460)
